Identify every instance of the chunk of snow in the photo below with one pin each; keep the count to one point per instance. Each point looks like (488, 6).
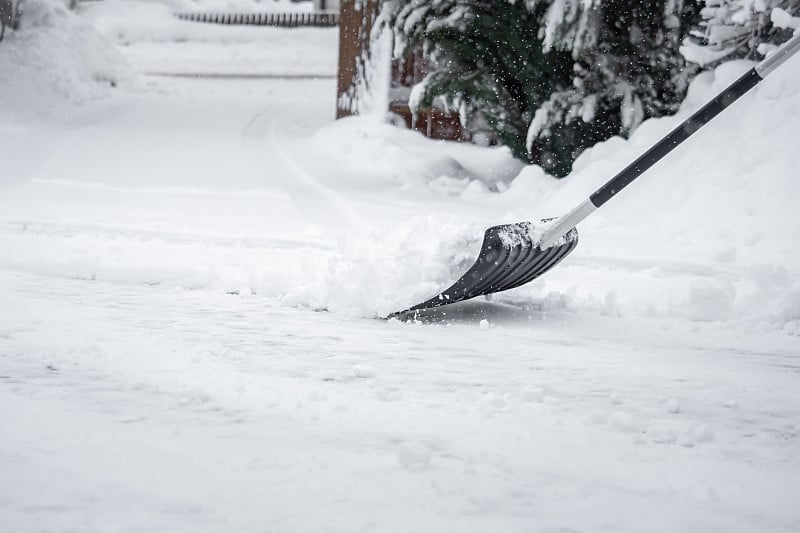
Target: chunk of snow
(363, 371)
(414, 455)
(672, 406)
(782, 19)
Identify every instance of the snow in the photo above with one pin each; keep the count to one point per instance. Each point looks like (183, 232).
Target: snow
(555, 14)
(86, 67)
(782, 19)
(143, 29)
(537, 124)
(703, 55)
(191, 268)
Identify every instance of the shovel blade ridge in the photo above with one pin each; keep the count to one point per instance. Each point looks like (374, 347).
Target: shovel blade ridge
(510, 256)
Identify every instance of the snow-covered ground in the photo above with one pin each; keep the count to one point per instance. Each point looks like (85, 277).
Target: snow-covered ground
(192, 268)
(143, 29)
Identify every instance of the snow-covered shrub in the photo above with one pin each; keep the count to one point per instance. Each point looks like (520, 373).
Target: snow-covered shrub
(55, 53)
(550, 77)
(627, 68)
(741, 29)
(489, 61)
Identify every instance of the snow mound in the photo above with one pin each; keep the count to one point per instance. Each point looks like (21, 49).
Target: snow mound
(396, 268)
(55, 54)
(370, 275)
(400, 157)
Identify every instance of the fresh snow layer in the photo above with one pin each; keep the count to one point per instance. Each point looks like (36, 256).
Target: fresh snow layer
(139, 408)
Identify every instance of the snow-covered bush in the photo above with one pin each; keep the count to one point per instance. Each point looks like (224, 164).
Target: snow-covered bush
(627, 68)
(741, 29)
(55, 53)
(550, 77)
(489, 61)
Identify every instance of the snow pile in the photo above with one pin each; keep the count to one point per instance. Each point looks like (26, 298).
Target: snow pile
(366, 275)
(55, 54)
(397, 267)
(405, 159)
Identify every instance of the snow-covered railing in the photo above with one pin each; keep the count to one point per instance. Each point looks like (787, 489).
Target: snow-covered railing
(288, 20)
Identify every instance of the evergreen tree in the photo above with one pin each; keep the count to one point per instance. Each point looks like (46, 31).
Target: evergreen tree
(550, 77)
(490, 62)
(628, 68)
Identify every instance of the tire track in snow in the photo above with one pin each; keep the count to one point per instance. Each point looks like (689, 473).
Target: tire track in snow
(309, 186)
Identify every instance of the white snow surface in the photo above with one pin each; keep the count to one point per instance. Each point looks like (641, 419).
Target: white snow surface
(143, 28)
(192, 268)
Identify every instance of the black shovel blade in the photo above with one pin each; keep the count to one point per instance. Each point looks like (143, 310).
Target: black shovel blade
(510, 256)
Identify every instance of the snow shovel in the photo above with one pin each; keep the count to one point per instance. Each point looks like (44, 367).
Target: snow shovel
(514, 254)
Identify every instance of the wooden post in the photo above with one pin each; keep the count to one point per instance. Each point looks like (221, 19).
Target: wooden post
(356, 18)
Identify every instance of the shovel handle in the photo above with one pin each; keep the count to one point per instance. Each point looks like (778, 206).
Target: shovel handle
(787, 50)
(685, 130)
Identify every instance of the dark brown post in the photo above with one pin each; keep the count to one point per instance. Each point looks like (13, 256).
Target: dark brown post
(356, 18)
